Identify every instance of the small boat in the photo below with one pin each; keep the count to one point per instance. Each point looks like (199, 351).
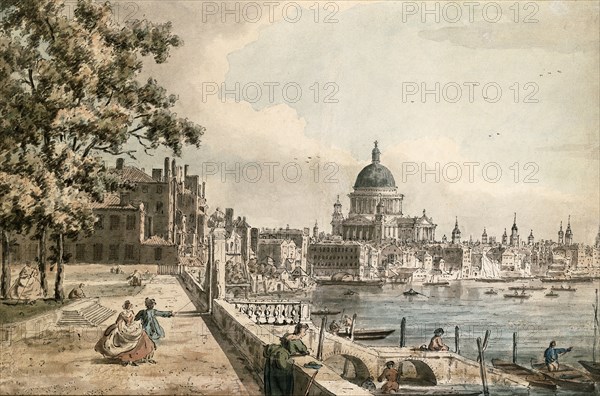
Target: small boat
(534, 378)
(350, 293)
(329, 282)
(367, 334)
(522, 295)
(530, 288)
(566, 377)
(325, 312)
(575, 280)
(491, 291)
(492, 280)
(562, 288)
(592, 367)
(411, 292)
(551, 294)
(440, 283)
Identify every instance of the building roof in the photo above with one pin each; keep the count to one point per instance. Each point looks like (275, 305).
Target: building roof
(134, 175)
(112, 201)
(155, 240)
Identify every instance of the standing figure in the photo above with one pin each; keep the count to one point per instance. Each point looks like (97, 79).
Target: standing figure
(390, 375)
(77, 292)
(125, 340)
(436, 343)
(551, 356)
(27, 286)
(135, 279)
(279, 367)
(149, 322)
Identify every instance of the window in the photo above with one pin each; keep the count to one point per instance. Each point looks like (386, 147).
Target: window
(144, 189)
(130, 222)
(98, 252)
(129, 252)
(100, 222)
(80, 252)
(115, 222)
(159, 207)
(113, 252)
(157, 254)
(159, 189)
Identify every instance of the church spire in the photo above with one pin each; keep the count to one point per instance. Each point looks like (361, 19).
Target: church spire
(375, 153)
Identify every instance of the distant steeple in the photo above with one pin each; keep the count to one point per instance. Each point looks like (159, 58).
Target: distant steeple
(456, 233)
(569, 233)
(375, 154)
(484, 236)
(530, 238)
(561, 235)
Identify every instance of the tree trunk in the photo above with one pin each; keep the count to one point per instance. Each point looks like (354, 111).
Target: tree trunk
(59, 293)
(42, 263)
(5, 281)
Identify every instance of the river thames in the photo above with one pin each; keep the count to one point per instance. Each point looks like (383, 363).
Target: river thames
(567, 319)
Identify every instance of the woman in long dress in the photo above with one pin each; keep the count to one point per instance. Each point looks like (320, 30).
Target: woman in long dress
(27, 286)
(125, 340)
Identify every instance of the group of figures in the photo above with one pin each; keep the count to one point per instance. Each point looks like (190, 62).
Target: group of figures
(135, 278)
(27, 287)
(133, 338)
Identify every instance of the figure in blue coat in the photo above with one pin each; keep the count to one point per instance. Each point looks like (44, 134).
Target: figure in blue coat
(150, 323)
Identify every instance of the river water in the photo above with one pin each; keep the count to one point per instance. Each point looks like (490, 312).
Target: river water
(568, 319)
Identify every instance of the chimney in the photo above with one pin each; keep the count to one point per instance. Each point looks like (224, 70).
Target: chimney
(157, 174)
(167, 169)
(203, 189)
(120, 163)
(174, 169)
(228, 217)
(124, 199)
(185, 170)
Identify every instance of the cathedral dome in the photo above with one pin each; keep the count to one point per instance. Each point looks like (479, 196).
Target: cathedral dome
(375, 175)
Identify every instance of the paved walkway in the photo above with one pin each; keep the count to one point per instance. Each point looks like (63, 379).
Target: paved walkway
(194, 358)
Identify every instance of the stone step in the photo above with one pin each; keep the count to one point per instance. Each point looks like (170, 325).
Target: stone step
(85, 313)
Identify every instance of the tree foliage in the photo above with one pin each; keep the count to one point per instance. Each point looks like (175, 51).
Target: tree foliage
(69, 92)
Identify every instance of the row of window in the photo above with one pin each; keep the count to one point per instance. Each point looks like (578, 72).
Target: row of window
(159, 189)
(113, 252)
(336, 249)
(320, 257)
(114, 222)
(336, 264)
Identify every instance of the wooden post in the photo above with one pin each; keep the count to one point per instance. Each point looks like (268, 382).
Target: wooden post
(456, 340)
(5, 280)
(595, 328)
(482, 371)
(352, 327)
(321, 338)
(403, 333)
(514, 360)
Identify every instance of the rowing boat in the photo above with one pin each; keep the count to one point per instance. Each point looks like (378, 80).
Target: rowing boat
(566, 377)
(367, 334)
(534, 378)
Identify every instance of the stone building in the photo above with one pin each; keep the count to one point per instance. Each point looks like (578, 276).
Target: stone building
(281, 253)
(332, 257)
(376, 210)
(300, 237)
(155, 219)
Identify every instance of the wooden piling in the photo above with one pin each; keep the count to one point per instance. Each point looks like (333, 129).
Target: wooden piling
(403, 333)
(482, 371)
(514, 355)
(456, 340)
(352, 327)
(321, 338)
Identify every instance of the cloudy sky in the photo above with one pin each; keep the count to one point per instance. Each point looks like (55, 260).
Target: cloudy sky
(481, 113)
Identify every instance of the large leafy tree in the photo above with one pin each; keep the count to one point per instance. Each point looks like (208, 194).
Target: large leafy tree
(70, 91)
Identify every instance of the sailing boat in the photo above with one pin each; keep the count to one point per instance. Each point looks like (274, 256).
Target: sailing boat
(489, 270)
(593, 367)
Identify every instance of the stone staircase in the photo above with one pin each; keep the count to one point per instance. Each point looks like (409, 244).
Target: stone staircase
(86, 313)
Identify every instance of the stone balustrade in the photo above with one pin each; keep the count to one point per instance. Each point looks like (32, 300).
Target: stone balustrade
(273, 312)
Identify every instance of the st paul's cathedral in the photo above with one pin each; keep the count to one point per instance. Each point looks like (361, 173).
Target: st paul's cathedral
(376, 210)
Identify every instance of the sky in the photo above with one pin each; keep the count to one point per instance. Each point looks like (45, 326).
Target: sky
(489, 110)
